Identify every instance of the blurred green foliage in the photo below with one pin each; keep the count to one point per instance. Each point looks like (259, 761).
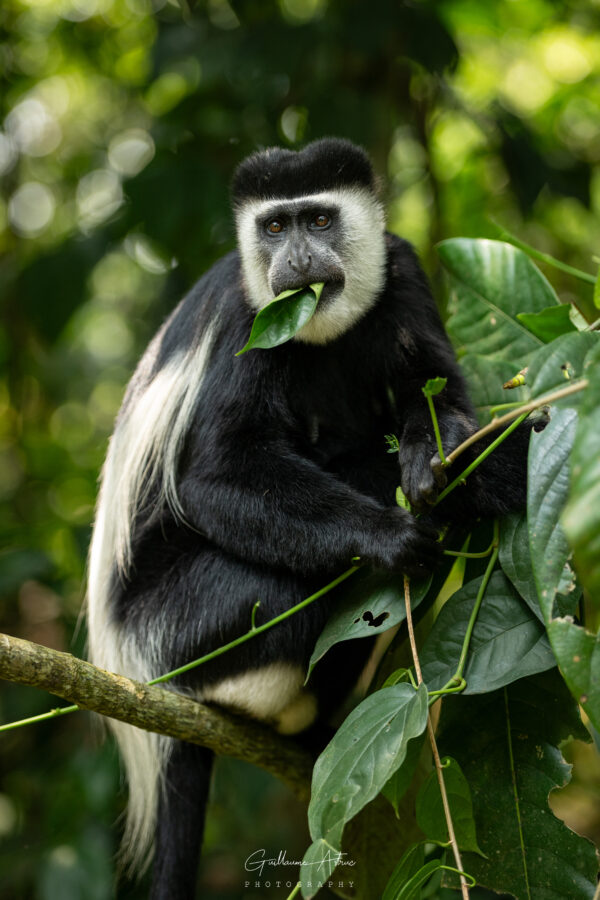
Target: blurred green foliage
(121, 123)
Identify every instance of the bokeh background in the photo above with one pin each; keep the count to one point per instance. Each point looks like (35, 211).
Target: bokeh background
(120, 124)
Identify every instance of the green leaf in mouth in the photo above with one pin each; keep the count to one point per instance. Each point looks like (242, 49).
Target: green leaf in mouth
(283, 317)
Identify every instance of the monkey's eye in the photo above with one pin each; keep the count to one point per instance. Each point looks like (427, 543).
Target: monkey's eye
(275, 226)
(321, 220)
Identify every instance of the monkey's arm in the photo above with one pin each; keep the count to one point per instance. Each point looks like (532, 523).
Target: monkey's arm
(422, 351)
(262, 500)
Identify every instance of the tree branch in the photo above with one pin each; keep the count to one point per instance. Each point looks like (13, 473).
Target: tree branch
(155, 709)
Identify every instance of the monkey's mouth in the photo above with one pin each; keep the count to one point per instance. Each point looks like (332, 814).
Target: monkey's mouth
(332, 288)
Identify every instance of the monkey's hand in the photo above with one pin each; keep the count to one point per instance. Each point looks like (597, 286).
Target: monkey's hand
(422, 474)
(404, 544)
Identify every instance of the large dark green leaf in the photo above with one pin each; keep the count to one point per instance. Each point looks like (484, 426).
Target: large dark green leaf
(491, 283)
(507, 746)
(282, 318)
(370, 745)
(508, 641)
(372, 604)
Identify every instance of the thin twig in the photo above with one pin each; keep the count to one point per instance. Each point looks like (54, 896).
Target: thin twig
(436, 756)
(514, 414)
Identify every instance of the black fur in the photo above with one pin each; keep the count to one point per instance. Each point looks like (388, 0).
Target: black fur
(274, 508)
(321, 166)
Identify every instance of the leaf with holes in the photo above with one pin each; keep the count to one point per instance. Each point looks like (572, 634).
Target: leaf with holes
(282, 318)
(374, 603)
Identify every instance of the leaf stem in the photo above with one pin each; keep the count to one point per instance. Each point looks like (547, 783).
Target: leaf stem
(436, 428)
(32, 720)
(295, 891)
(457, 682)
(434, 749)
(545, 257)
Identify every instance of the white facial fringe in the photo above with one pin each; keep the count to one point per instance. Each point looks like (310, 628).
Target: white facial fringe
(363, 258)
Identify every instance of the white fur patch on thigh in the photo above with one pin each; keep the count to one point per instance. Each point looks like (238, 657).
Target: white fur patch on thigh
(273, 693)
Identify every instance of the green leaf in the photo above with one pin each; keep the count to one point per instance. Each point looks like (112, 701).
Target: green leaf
(597, 291)
(317, 866)
(582, 515)
(411, 890)
(508, 641)
(412, 861)
(372, 604)
(282, 318)
(395, 789)
(492, 282)
(362, 756)
(434, 386)
(430, 809)
(507, 746)
(548, 485)
(485, 378)
(401, 499)
(549, 323)
(559, 363)
(578, 654)
(515, 559)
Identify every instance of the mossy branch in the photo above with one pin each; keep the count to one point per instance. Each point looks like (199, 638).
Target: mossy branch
(155, 709)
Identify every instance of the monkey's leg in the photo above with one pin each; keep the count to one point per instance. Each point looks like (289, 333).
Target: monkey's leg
(180, 823)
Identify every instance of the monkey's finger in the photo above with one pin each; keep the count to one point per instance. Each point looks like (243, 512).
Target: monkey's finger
(438, 472)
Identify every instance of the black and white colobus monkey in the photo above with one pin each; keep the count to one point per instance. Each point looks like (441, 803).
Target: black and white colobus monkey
(230, 479)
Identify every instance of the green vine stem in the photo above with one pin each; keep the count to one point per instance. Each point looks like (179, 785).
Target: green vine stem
(295, 891)
(457, 682)
(477, 462)
(544, 257)
(436, 428)
(254, 630)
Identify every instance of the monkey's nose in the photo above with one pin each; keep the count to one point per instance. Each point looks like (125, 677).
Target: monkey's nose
(300, 261)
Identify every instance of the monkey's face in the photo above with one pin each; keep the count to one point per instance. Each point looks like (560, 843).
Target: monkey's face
(335, 237)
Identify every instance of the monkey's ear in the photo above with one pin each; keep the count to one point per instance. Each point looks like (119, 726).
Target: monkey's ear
(283, 317)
